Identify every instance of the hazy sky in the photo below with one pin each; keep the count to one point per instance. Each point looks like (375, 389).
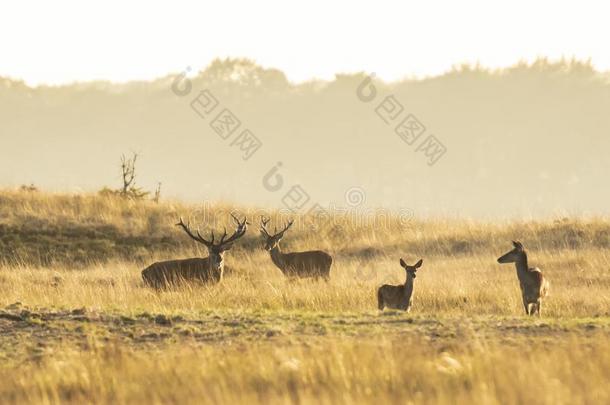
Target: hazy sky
(63, 41)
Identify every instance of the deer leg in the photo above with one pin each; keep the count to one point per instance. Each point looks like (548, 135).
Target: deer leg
(539, 308)
(526, 306)
(409, 305)
(380, 303)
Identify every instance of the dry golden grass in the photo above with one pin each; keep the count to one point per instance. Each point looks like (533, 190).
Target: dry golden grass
(465, 285)
(259, 338)
(322, 372)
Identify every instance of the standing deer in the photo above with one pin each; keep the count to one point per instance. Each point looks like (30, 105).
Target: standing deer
(534, 286)
(208, 270)
(399, 296)
(312, 264)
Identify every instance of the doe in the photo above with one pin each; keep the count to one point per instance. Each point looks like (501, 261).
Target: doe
(399, 296)
(533, 285)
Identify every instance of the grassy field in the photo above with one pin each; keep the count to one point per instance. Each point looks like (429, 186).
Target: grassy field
(77, 325)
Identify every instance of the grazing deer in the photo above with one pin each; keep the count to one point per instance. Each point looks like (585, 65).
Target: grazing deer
(399, 296)
(313, 264)
(208, 270)
(534, 286)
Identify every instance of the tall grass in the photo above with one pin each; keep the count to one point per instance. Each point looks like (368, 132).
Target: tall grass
(467, 285)
(78, 230)
(323, 372)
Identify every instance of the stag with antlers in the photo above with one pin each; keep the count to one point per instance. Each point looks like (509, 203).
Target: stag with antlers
(313, 264)
(207, 270)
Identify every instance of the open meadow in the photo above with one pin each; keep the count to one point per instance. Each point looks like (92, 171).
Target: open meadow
(304, 203)
(77, 323)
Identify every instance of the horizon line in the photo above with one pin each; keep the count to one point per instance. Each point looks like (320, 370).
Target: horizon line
(458, 67)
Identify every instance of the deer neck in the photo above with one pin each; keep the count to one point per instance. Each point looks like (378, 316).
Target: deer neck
(277, 257)
(522, 266)
(409, 285)
(216, 269)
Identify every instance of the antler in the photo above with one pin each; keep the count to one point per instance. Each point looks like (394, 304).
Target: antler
(242, 227)
(287, 226)
(239, 232)
(264, 223)
(198, 237)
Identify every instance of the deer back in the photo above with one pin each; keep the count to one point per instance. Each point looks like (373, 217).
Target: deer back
(307, 264)
(171, 272)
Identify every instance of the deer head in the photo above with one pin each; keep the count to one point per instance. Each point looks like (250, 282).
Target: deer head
(514, 255)
(411, 270)
(272, 240)
(216, 249)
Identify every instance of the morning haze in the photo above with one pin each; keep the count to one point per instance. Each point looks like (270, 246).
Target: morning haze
(527, 140)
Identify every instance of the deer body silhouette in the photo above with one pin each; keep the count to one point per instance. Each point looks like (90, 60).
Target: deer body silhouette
(399, 296)
(533, 285)
(312, 264)
(208, 270)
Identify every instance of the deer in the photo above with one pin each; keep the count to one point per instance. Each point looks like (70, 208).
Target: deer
(399, 296)
(313, 264)
(209, 270)
(533, 285)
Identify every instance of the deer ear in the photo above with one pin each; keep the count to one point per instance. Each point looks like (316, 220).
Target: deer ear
(402, 263)
(419, 263)
(227, 247)
(517, 244)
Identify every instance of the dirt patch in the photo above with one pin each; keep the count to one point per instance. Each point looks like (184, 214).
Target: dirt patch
(30, 333)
